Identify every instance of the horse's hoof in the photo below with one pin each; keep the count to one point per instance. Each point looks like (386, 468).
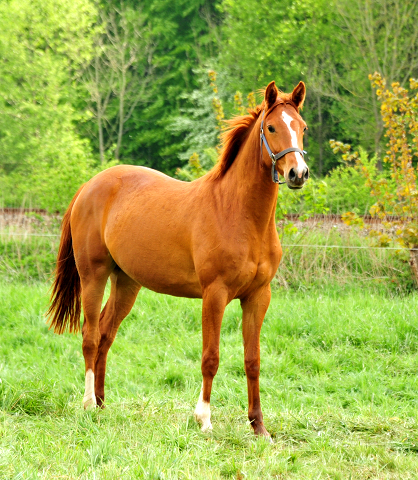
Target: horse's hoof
(206, 427)
(267, 438)
(261, 431)
(89, 402)
(205, 422)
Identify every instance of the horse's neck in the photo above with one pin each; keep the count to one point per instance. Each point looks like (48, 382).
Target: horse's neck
(249, 186)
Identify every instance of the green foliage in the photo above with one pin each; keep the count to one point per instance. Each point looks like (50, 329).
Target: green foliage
(186, 33)
(42, 46)
(201, 125)
(50, 181)
(343, 189)
(347, 188)
(394, 194)
(156, 105)
(118, 77)
(194, 168)
(197, 124)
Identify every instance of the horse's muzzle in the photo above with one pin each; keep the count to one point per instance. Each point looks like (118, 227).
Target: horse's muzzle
(296, 178)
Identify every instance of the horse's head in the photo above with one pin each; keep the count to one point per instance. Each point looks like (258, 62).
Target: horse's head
(282, 131)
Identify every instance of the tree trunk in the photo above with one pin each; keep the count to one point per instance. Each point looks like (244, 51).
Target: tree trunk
(100, 127)
(413, 261)
(99, 111)
(121, 109)
(320, 136)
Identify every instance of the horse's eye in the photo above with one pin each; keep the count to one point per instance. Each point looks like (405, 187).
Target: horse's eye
(271, 129)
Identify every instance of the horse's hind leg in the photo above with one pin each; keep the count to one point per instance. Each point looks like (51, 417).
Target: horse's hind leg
(123, 293)
(93, 282)
(93, 276)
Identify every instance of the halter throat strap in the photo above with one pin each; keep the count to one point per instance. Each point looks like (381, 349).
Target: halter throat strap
(274, 157)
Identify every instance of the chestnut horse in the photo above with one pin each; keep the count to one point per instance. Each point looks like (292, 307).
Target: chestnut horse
(214, 238)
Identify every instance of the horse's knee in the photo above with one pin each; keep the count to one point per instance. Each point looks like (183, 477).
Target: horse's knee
(252, 368)
(210, 363)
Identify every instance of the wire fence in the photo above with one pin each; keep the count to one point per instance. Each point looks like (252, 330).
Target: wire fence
(304, 245)
(26, 234)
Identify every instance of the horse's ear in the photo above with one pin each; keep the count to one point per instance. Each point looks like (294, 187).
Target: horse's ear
(298, 94)
(270, 94)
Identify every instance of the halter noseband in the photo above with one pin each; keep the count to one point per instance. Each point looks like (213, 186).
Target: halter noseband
(275, 157)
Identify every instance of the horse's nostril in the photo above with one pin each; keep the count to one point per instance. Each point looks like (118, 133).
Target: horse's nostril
(306, 174)
(292, 175)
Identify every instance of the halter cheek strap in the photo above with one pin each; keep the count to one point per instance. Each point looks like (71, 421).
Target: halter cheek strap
(277, 156)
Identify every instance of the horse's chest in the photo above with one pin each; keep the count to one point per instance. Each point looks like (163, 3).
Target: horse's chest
(268, 262)
(259, 268)
(242, 260)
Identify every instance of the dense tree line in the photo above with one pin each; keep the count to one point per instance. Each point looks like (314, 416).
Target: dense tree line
(84, 83)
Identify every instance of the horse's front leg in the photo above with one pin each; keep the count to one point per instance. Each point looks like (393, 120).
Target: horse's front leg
(254, 308)
(215, 299)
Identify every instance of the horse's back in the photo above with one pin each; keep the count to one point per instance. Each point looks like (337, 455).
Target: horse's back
(128, 191)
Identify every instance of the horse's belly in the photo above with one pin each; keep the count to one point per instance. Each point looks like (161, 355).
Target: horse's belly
(158, 270)
(177, 283)
(177, 290)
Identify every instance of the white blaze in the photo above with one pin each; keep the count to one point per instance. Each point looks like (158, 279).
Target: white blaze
(288, 120)
(202, 413)
(89, 398)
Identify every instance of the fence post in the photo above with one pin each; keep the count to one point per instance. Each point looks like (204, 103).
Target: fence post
(413, 261)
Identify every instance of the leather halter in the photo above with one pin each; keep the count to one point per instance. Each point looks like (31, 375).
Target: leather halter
(275, 157)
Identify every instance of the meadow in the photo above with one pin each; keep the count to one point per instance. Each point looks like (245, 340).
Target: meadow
(338, 374)
(338, 388)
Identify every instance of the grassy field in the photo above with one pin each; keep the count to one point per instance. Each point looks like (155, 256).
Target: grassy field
(338, 385)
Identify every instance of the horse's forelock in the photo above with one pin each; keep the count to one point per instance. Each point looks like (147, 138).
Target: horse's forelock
(285, 100)
(237, 128)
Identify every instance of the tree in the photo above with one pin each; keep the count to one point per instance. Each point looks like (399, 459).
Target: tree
(43, 46)
(377, 35)
(186, 33)
(120, 72)
(166, 41)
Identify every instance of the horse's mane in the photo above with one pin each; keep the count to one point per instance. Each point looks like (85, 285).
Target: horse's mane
(236, 131)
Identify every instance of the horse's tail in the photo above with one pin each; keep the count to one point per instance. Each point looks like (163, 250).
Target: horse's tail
(65, 303)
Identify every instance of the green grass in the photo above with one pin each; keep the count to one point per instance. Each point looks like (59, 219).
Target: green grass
(339, 392)
(338, 255)
(27, 258)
